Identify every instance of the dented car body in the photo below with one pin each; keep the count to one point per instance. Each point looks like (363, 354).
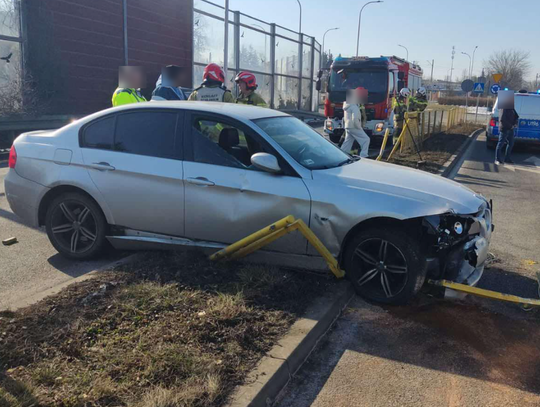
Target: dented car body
(164, 174)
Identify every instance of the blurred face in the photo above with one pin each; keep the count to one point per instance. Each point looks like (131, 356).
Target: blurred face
(131, 77)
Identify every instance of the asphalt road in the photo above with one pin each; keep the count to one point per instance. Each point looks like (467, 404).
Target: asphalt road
(32, 266)
(475, 352)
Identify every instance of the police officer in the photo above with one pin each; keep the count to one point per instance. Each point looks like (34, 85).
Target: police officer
(212, 88)
(247, 83)
(131, 79)
(400, 108)
(419, 102)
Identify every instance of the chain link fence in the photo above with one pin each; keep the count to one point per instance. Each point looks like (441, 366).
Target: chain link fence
(284, 61)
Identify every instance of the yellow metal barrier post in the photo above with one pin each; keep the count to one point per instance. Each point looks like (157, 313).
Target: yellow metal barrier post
(273, 232)
(383, 145)
(480, 292)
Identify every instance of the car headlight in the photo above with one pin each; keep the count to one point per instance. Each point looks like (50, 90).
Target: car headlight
(379, 127)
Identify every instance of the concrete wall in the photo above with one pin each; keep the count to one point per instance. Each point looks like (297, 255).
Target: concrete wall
(74, 47)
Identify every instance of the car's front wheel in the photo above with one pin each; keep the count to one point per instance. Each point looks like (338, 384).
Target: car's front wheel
(76, 226)
(385, 265)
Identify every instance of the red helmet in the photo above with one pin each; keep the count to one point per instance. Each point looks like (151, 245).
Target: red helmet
(213, 72)
(248, 78)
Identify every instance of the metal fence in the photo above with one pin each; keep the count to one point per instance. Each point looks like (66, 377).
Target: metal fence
(284, 61)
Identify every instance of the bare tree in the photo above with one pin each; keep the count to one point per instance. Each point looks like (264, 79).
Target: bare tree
(512, 64)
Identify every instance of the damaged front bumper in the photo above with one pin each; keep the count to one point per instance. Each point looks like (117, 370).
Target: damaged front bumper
(460, 245)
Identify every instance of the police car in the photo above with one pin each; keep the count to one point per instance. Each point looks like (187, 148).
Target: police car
(527, 106)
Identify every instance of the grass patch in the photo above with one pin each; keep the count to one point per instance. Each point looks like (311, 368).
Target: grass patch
(437, 149)
(171, 330)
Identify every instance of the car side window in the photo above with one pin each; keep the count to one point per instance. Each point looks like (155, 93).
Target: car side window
(99, 134)
(219, 143)
(148, 133)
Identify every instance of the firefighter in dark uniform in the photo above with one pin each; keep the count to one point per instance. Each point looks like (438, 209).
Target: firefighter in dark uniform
(400, 108)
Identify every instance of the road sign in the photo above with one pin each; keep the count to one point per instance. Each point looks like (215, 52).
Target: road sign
(478, 87)
(495, 88)
(467, 85)
(497, 77)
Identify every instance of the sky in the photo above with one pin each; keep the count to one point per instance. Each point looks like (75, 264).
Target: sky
(428, 28)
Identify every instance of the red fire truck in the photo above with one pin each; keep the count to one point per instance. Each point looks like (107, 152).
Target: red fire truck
(383, 77)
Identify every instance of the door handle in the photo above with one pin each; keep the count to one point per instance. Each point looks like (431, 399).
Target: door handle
(102, 166)
(200, 181)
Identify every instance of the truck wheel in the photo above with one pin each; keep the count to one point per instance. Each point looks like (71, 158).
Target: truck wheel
(385, 265)
(76, 226)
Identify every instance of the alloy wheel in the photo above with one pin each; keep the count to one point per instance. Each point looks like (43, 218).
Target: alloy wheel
(382, 268)
(74, 226)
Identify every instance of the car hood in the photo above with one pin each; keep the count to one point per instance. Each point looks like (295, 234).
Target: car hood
(433, 193)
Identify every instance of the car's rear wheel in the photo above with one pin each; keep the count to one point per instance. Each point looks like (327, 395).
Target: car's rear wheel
(76, 226)
(385, 265)
(491, 144)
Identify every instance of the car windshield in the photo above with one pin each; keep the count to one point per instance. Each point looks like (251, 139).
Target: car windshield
(304, 144)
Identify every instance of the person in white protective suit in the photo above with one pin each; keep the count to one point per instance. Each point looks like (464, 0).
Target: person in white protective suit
(354, 118)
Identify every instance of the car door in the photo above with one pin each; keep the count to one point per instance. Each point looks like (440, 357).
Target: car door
(226, 197)
(135, 161)
(528, 110)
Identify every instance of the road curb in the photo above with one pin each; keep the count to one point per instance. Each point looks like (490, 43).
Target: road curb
(453, 161)
(275, 369)
(33, 299)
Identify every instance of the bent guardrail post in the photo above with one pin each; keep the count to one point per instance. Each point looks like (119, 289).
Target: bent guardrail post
(273, 232)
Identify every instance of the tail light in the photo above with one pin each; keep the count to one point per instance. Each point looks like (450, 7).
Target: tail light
(12, 157)
(328, 108)
(492, 122)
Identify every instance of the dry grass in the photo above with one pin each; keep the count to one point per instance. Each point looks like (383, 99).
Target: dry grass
(437, 149)
(172, 330)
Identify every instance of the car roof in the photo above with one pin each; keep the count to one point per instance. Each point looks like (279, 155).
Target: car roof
(237, 111)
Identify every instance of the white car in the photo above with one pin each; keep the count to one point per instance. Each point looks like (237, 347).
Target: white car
(208, 174)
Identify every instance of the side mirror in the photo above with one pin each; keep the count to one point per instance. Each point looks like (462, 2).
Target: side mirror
(319, 74)
(401, 75)
(318, 85)
(266, 162)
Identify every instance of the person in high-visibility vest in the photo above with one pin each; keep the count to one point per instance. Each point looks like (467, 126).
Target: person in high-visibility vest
(400, 108)
(419, 102)
(247, 83)
(131, 79)
(212, 88)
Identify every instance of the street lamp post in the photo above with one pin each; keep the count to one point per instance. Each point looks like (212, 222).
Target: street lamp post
(360, 20)
(470, 59)
(403, 46)
(472, 65)
(300, 21)
(262, 28)
(322, 54)
(467, 94)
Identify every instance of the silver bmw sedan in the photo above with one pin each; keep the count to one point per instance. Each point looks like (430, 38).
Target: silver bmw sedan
(164, 174)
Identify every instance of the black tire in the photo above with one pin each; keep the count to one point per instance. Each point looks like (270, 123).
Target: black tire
(490, 145)
(72, 213)
(403, 269)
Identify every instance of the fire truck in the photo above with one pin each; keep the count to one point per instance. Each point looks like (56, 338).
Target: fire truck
(383, 77)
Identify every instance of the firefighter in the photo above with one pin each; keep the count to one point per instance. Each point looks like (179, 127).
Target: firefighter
(247, 83)
(400, 108)
(131, 79)
(419, 102)
(354, 118)
(212, 88)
